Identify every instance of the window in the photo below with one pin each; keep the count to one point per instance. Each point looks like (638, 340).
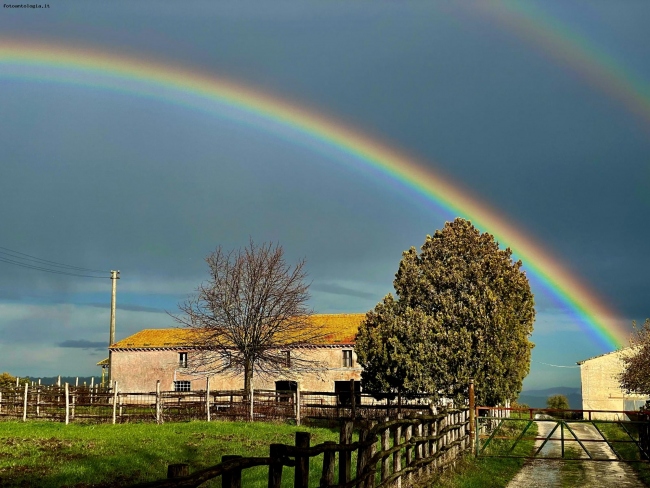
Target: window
(287, 359)
(347, 358)
(182, 386)
(182, 360)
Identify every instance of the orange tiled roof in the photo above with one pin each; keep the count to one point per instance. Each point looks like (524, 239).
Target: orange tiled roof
(338, 328)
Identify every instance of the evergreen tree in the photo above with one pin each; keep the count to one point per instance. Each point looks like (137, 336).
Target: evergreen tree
(463, 309)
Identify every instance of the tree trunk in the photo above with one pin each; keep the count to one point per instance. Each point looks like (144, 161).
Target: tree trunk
(248, 376)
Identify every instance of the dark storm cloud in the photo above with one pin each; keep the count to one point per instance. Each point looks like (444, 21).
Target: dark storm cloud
(118, 181)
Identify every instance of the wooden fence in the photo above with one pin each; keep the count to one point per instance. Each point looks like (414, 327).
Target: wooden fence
(388, 454)
(97, 404)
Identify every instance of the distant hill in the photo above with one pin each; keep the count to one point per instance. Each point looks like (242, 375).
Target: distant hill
(537, 398)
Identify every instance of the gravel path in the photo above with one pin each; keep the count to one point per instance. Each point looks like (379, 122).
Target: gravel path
(549, 474)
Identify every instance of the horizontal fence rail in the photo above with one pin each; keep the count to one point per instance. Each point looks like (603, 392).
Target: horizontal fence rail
(390, 453)
(105, 405)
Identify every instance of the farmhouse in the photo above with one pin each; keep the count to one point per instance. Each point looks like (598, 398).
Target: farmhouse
(140, 360)
(600, 385)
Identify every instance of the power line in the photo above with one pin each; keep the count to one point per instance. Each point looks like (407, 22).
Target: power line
(555, 365)
(45, 265)
(13, 253)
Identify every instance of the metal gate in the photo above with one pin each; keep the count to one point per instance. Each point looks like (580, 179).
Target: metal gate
(596, 435)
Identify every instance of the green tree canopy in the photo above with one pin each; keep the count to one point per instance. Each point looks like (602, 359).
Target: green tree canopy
(463, 309)
(636, 373)
(559, 402)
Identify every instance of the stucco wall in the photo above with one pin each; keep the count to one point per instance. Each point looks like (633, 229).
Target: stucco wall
(600, 386)
(140, 370)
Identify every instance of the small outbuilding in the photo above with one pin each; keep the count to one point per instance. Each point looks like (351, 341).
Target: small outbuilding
(601, 389)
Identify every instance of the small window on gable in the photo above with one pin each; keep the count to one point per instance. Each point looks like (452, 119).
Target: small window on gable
(347, 358)
(181, 385)
(182, 360)
(287, 359)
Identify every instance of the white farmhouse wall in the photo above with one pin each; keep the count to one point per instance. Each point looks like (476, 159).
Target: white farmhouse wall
(600, 386)
(139, 370)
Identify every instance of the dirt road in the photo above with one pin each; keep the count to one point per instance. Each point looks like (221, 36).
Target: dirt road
(550, 474)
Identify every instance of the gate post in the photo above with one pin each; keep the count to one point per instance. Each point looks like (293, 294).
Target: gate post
(472, 408)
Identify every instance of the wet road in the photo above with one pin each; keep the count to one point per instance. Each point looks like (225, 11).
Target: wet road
(550, 473)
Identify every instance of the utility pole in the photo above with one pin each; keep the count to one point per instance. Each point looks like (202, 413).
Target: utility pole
(115, 275)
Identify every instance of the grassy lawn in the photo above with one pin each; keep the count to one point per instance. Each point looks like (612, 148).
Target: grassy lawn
(50, 454)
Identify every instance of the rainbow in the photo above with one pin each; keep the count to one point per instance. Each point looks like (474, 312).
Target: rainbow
(566, 46)
(93, 68)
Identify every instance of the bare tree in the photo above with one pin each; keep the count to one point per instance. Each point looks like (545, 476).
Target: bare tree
(251, 316)
(635, 377)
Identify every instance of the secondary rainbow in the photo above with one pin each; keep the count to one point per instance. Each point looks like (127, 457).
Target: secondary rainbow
(65, 64)
(575, 51)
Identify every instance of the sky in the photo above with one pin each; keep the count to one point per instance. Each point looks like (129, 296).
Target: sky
(537, 112)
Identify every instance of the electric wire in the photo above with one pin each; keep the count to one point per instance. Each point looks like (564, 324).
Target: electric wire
(32, 262)
(555, 365)
(46, 261)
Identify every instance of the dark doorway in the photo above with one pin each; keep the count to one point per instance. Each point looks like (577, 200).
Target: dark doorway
(343, 396)
(285, 390)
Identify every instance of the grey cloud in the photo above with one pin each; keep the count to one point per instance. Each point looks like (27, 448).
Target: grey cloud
(131, 308)
(342, 290)
(83, 344)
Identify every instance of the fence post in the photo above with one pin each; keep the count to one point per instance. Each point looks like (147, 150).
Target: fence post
(433, 444)
(472, 412)
(67, 404)
(298, 403)
(207, 398)
(114, 401)
(369, 453)
(425, 446)
(231, 479)
(409, 451)
(345, 457)
(72, 404)
(329, 461)
(301, 479)
(361, 454)
(418, 447)
(276, 452)
(158, 412)
(397, 455)
(25, 403)
(385, 446)
(252, 406)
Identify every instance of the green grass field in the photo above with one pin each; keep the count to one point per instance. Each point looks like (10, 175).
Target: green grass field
(49, 454)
